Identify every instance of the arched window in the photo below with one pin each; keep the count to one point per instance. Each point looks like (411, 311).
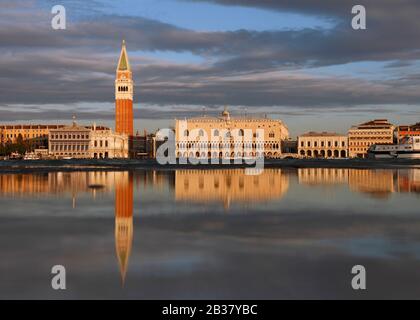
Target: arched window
(241, 133)
(201, 133)
(271, 134)
(216, 133)
(186, 133)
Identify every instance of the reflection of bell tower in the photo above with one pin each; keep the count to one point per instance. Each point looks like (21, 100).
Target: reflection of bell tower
(123, 219)
(124, 95)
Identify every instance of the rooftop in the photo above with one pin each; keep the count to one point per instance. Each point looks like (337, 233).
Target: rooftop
(321, 134)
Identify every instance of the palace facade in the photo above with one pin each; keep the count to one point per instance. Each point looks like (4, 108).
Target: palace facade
(229, 137)
(104, 143)
(362, 136)
(79, 142)
(69, 141)
(322, 145)
(37, 134)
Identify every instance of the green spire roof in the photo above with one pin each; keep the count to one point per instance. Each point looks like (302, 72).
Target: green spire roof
(123, 63)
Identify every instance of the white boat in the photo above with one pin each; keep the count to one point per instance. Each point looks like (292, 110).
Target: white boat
(30, 156)
(409, 148)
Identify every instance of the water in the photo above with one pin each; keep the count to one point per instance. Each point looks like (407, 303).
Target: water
(215, 234)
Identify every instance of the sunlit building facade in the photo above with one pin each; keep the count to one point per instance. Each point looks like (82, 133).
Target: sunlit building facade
(105, 144)
(362, 136)
(229, 137)
(38, 134)
(69, 141)
(322, 145)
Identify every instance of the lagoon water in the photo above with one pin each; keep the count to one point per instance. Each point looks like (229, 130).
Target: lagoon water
(211, 234)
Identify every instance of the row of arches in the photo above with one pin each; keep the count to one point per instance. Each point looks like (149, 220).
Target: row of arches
(228, 133)
(324, 153)
(123, 89)
(249, 145)
(216, 155)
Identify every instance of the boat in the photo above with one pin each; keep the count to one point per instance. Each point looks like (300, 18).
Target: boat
(409, 148)
(30, 156)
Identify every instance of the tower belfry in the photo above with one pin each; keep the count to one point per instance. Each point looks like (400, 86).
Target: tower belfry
(124, 94)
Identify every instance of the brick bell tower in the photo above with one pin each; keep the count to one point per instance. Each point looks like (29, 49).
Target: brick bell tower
(124, 95)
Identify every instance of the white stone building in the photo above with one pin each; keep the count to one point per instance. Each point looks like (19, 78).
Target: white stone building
(79, 142)
(323, 145)
(104, 143)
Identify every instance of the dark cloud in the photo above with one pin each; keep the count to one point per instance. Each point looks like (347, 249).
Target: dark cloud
(243, 67)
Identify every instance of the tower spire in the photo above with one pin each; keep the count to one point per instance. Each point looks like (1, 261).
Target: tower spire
(123, 63)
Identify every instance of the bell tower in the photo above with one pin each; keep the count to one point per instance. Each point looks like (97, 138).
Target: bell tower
(124, 95)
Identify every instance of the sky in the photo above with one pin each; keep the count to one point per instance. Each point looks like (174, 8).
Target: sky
(299, 61)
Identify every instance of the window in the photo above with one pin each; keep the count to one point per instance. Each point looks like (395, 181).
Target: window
(106, 143)
(186, 133)
(216, 133)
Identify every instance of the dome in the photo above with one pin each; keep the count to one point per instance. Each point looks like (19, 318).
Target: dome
(225, 113)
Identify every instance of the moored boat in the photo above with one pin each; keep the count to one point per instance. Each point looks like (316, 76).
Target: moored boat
(409, 148)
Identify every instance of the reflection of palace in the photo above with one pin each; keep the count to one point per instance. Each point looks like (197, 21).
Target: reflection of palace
(229, 185)
(123, 219)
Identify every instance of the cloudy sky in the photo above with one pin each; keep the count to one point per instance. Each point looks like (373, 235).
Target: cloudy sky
(299, 61)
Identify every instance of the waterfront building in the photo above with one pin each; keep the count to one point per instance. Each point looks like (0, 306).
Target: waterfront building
(69, 141)
(226, 137)
(124, 89)
(405, 131)
(323, 145)
(362, 136)
(37, 134)
(82, 142)
(104, 143)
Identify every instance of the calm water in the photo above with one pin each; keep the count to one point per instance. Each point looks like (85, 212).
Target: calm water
(211, 233)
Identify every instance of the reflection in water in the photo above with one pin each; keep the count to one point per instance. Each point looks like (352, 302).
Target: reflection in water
(314, 176)
(123, 219)
(224, 186)
(229, 186)
(195, 186)
(375, 183)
